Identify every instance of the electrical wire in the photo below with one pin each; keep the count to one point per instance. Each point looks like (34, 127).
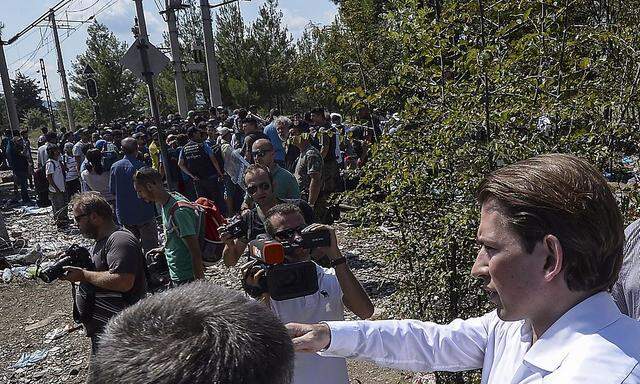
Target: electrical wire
(84, 9)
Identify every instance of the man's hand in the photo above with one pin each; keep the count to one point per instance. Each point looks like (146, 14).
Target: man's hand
(251, 273)
(309, 337)
(73, 274)
(225, 236)
(332, 250)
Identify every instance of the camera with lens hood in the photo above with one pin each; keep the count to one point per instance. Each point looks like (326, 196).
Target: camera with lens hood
(74, 256)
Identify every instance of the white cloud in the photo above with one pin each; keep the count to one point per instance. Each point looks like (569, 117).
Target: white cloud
(294, 22)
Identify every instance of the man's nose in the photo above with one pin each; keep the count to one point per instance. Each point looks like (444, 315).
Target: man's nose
(480, 267)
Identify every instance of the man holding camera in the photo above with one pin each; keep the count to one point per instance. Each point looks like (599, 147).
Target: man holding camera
(337, 286)
(237, 234)
(117, 278)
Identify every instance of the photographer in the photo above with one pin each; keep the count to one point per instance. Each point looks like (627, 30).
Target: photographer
(117, 279)
(336, 286)
(250, 223)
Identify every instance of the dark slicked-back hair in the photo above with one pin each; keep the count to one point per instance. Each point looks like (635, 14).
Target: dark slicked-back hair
(147, 175)
(279, 210)
(197, 333)
(567, 197)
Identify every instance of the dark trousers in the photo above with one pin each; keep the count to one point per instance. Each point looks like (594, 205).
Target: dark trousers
(22, 180)
(72, 187)
(212, 189)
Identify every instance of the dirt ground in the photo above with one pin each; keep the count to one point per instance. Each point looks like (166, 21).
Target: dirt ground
(42, 308)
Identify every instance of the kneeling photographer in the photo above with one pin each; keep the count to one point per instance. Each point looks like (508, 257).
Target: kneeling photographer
(280, 266)
(110, 275)
(250, 224)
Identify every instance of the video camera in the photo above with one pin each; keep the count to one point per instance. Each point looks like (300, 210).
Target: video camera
(74, 256)
(281, 280)
(236, 227)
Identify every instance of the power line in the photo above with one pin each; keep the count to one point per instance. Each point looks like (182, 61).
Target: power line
(44, 16)
(84, 9)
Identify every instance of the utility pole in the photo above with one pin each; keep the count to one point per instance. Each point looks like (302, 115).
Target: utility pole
(215, 96)
(143, 41)
(8, 92)
(63, 75)
(47, 93)
(176, 58)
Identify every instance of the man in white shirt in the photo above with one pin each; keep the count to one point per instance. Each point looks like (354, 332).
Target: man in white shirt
(336, 286)
(551, 238)
(55, 172)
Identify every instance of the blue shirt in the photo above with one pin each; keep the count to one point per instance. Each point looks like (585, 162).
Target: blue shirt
(272, 134)
(130, 209)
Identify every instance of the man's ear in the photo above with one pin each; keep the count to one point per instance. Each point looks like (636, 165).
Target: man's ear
(554, 257)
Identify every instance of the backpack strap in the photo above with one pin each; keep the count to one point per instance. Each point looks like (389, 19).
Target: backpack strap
(185, 204)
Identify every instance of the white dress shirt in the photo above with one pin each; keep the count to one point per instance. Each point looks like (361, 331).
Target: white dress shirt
(325, 304)
(591, 343)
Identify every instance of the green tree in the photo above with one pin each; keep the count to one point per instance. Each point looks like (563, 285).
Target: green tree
(271, 51)
(233, 57)
(35, 119)
(479, 85)
(116, 87)
(26, 93)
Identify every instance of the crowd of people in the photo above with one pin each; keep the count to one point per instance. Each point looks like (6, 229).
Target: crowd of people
(552, 258)
(269, 178)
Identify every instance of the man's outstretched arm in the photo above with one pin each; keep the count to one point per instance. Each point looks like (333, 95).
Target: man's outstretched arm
(404, 344)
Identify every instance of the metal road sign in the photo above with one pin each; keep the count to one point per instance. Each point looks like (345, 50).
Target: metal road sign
(133, 61)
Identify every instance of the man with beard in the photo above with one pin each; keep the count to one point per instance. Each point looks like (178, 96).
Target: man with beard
(117, 279)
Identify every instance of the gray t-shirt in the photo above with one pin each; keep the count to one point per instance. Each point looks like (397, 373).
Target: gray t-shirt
(626, 291)
(122, 254)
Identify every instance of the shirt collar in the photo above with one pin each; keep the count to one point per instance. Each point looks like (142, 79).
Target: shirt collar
(587, 317)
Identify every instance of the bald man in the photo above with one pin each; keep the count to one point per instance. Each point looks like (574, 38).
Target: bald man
(131, 211)
(285, 185)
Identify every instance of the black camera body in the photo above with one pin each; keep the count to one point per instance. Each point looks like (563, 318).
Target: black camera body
(310, 240)
(74, 256)
(283, 281)
(236, 227)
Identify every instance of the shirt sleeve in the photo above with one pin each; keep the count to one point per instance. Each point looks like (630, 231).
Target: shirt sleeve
(186, 221)
(50, 168)
(77, 150)
(112, 180)
(123, 254)
(314, 163)
(207, 149)
(412, 344)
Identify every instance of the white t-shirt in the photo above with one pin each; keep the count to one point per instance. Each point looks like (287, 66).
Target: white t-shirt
(72, 168)
(77, 150)
(98, 183)
(324, 305)
(54, 167)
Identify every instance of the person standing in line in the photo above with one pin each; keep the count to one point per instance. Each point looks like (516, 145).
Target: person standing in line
(132, 212)
(72, 176)
(54, 170)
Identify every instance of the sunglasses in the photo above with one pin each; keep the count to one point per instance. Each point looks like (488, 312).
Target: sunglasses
(287, 234)
(254, 188)
(260, 152)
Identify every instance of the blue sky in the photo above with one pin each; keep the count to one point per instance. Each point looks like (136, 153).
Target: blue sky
(17, 14)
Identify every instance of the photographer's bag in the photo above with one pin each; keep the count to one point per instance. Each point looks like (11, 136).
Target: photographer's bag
(210, 219)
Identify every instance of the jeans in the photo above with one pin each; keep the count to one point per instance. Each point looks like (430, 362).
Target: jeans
(59, 207)
(72, 187)
(22, 180)
(147, 233)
